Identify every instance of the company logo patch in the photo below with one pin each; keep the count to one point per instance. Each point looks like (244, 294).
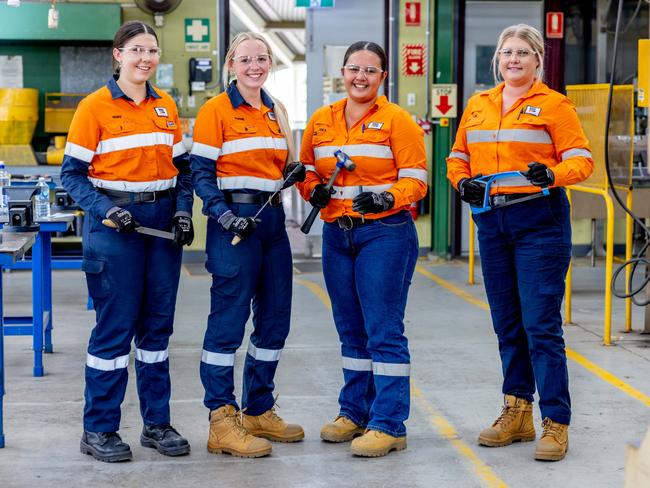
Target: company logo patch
(170, 124)
(375, 125)
(533, 110)
(161, 111)
(271, 115)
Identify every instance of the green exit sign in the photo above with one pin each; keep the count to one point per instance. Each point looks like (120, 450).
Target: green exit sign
(315, 3)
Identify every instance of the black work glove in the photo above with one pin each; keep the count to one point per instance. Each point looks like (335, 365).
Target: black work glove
(240, 226)
(123, 220)
(183, 230)
(539, 175)
(369, 202)
(320, 197)
(293, 173)
(472, 191)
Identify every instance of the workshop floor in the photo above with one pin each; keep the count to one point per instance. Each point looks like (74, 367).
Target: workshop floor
(456, 380)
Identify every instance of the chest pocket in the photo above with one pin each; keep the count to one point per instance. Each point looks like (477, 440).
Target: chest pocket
(323, 134)
(475, 119)
(527, 121)
(165, 123)
(244, 128)
(120, 126)
(376, 136)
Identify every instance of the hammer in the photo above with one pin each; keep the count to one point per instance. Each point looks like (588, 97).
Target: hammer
(342, 161)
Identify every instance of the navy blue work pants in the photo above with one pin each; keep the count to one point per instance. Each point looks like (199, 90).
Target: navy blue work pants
(525, 252)
(368, 271)
(133, 281)
(258, 272)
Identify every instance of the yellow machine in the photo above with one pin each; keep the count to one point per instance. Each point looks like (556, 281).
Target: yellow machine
(18, 118)
(59, 110)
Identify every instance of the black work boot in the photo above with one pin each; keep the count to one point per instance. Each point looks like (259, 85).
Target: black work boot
(165, 439)
(105, 446)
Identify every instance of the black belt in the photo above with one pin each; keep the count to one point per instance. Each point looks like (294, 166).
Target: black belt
(128, 197)
(347, 222)
(255, 198)
(510, 198)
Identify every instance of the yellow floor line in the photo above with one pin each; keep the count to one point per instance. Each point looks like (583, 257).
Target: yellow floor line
(593, 368)
(440, 423)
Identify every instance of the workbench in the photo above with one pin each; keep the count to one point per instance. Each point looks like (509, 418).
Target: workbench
(12, 247)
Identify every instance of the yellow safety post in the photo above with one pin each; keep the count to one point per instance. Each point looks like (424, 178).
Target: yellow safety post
(569, 280)
(629, 239)
(470, 278)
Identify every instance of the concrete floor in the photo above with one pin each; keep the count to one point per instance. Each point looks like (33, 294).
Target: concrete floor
(456, 382)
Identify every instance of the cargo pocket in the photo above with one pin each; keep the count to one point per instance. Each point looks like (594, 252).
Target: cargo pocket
(98, 285)
(225, 277)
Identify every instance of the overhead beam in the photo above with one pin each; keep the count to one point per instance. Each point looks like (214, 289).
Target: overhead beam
(275, 25)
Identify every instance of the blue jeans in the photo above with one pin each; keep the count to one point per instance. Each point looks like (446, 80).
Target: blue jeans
(525, 253)
(368, 271)
(257, 272)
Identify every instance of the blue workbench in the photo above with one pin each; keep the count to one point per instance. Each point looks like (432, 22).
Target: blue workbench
(12, 248)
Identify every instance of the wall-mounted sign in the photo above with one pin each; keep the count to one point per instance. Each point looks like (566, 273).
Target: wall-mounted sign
(414, 59)
(554, 25)
(197, 34)
(315, 3)
(443, 100)
(412, 14)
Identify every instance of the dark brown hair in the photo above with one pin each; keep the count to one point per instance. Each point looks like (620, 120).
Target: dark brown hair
(128, 31)
(366, 46)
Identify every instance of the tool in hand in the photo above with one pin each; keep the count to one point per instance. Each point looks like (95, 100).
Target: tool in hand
(507, 178)
(143, 230)
(236, 239)
(342, 161)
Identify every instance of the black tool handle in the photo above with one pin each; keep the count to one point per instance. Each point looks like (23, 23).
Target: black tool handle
(306, 227)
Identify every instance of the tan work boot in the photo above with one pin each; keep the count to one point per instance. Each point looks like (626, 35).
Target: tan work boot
(515, 424)
(271, 426)
(341, 430)
(375, 444)
(228, 435)
(554, 442)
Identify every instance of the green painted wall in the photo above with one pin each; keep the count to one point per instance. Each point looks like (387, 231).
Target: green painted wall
(82, 22)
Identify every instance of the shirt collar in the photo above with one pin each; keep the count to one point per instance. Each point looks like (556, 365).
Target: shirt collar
(237, 100)
(339, 106)
(495, 93)
(116, 91)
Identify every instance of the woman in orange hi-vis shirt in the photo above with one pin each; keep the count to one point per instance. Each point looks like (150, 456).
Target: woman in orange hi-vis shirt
(525, 239)
(369, 246)
(125, 162)
(241, 158)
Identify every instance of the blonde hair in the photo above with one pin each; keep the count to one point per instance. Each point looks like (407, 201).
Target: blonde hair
(528, 34)
(280, 110)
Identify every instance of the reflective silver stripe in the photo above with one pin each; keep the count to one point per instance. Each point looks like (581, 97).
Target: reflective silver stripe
(134, 186)
(310, 167)
(574, 153)
(418, 174)
(346, 192)
(248, 182)
(391, 369)
(134, 141)
(353, 150)
(79, 152)
(354, 364)
(217, 358)
(252, 143)
(205, 151)
(509, 135)
(459, 155)
(178, 149)
(151, 357)
(264, 354)
(94, 362)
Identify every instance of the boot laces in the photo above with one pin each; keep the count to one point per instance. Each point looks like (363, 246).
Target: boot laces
(508, 414)
(551, 429)
(235, 422)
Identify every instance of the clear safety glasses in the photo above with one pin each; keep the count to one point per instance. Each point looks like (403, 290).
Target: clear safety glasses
(519, 53)
(139, 51)
(355, 69)
(260, 60)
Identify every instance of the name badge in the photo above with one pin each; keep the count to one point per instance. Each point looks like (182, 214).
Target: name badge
(161, 111)
(375, 125)
(533, 110)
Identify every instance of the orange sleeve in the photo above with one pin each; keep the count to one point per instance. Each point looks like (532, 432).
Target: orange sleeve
(458, 166)
(407, 145)
(307, 158)
(575, 163)
(208, 132)
(84, 132)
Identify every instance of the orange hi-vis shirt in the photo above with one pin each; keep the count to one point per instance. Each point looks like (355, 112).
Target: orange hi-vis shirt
(542, 126)
(129, 147)
(386, 145)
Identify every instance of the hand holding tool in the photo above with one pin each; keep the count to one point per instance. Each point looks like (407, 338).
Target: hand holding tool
(472, 191)
(142, 230)
(293, 173)
(506, 179)
(122, 219)
(342, 161)
(183, 230)
(370, 202)
(539, 174)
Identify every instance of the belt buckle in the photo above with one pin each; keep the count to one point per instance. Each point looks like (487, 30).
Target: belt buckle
(499, 200)
(153, 193)
(345, 222)
(275, 200)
